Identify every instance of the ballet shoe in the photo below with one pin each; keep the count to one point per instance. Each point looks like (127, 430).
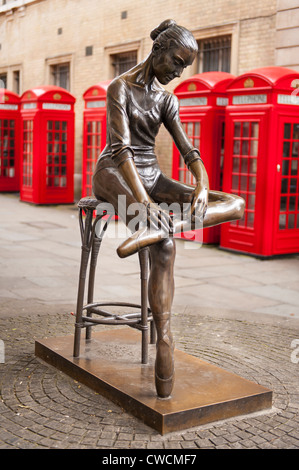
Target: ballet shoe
(164, 379)
(140, 239)
(164, 387)
(145, 237)
(164, 365)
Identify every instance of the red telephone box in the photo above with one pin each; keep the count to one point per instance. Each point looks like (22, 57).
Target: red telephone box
(262, 161)
(203, 100)
(9, 141)
(47, 172)
(94, 131)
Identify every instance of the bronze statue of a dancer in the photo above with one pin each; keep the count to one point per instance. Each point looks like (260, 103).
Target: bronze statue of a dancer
(137, 105)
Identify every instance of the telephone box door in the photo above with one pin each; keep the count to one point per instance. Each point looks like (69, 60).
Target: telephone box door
(94, 141)
(287, 183)
(244, 176)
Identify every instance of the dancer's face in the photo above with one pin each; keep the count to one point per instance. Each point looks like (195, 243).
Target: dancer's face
(169, 63)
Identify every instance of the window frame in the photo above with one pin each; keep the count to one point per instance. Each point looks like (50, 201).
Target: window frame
(203, 52)
(60, 61)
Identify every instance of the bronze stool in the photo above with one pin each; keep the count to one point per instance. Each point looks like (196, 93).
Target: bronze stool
(91, 242)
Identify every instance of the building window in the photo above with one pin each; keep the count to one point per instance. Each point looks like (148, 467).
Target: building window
(16, 81)
(215, 54)
(123, 62)
(3, 80)
(60, 75)
(88, 50)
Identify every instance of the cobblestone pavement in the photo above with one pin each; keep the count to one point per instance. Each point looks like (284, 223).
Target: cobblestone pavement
(234, 311)
(43, 408)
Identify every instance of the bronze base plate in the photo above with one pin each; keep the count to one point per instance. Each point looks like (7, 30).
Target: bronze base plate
(110, 364)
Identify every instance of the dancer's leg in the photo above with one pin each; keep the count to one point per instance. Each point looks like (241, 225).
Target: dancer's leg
(222, 207)
(161, 290)
(108, 185)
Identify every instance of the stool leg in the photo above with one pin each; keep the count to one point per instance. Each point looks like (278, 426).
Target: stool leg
(143, 260)
(96, 244)
(85, 250)
(153, 334)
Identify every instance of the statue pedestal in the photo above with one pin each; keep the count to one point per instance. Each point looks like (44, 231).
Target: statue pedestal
(110, 364)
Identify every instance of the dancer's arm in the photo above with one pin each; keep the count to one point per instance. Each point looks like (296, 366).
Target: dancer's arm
(190, 154)
(122, 152)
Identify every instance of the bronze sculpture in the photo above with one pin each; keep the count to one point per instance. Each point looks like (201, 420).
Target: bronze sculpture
(136, 107)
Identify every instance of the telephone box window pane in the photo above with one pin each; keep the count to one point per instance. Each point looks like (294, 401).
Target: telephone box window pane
(293, 185)
(251, 202)
(197, 129)
(237, 147)
(253, 148)
(250, 219)
(295, 149)
(243, 185)
(196, 143)
(286, 149)
(182, 176)
(244, 165)
(246, 129)
(291, 221)
(252, 183)
(254, 130)
(287, 131)
(283, 204)
(294, 167)
(282, 221)
(235, 182)
(237, 130)
(285, 167)
(245, 147)
(236, 163)
(292, 204)
(284, 186)
(296, 132)
(253, 165)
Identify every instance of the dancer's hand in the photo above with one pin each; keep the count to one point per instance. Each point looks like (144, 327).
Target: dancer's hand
(199, 203)
(158, 218)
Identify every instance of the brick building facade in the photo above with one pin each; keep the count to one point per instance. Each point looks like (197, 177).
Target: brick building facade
(77, 43)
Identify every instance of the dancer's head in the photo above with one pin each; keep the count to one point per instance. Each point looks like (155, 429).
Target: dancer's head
(174, 48)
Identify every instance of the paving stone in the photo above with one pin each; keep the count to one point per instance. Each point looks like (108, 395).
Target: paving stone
(42, 408)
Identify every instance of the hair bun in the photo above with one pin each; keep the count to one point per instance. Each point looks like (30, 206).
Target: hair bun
(162, 27)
